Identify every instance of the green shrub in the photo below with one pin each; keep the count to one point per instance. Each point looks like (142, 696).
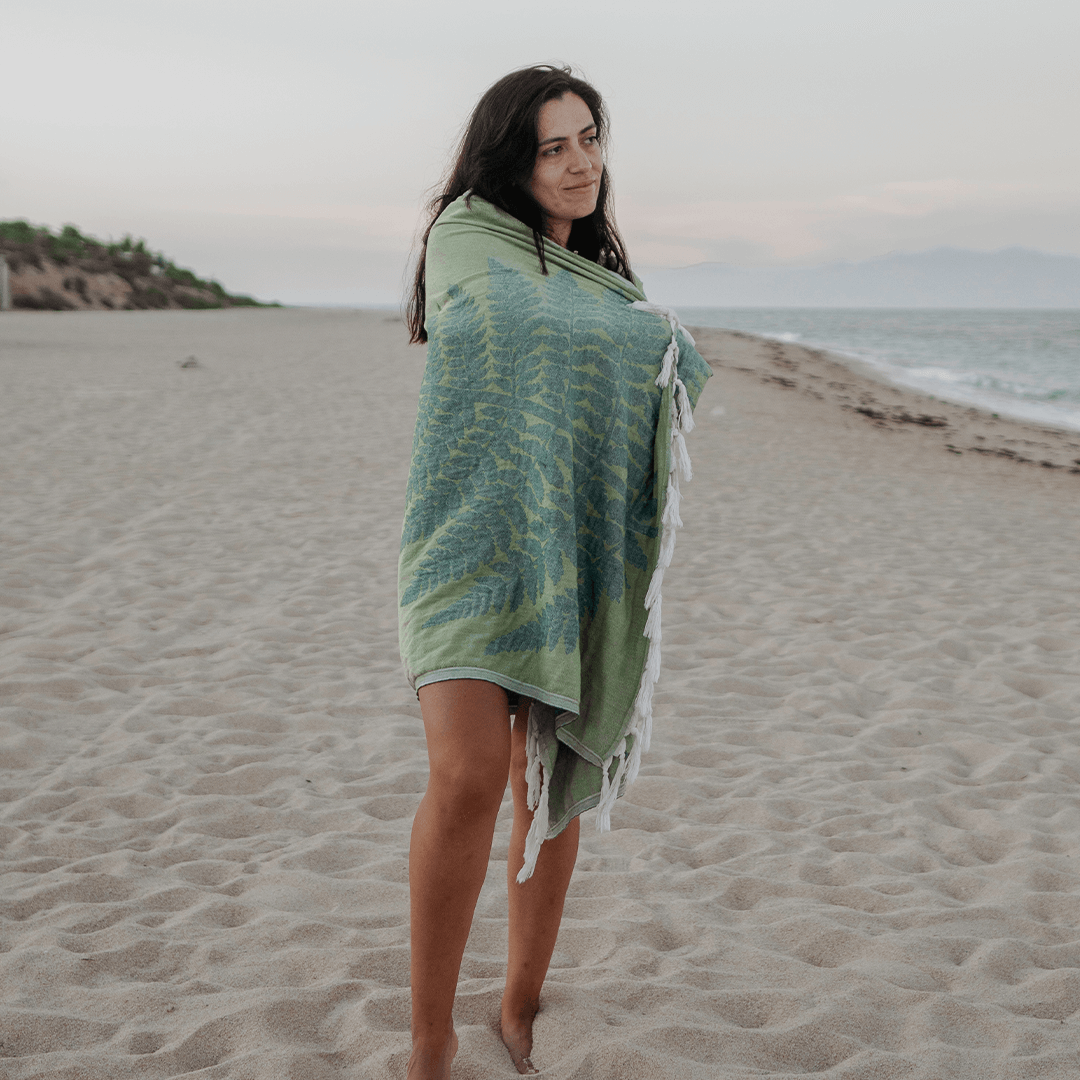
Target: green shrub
(18, 232)
(181, 277)
(197, 303)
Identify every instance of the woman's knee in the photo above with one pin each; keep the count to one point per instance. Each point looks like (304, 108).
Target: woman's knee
(468, 734)
(467, 790)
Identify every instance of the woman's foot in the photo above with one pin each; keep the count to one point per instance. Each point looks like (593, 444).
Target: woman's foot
(516, 1034)
(432, 1062)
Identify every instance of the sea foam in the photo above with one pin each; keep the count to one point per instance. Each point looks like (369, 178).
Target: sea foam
(1023, 363)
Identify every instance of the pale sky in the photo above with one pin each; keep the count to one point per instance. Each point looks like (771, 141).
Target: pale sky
(286, 147)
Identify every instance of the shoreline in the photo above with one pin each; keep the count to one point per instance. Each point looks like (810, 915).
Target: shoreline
(957, 355)
(861, 390)
(1009, 409)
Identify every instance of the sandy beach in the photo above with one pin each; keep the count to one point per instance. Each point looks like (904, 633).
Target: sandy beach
(854, 848)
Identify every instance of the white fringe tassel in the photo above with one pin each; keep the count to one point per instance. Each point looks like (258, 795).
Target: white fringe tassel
(539, 780)
(640, 727)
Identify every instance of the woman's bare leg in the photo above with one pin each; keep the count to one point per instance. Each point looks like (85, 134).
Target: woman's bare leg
(467, 724)
(536, 909)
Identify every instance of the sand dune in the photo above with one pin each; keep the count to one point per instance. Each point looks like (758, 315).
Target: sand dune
(853, 851)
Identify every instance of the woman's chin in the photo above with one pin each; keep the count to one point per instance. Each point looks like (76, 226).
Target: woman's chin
(580, 209)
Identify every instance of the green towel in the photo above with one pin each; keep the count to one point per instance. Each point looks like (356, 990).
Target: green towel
(543, 498)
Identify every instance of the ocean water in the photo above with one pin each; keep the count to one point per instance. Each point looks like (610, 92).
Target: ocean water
(1021, 363)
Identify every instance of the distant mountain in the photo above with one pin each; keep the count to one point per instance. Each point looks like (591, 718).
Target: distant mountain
(944, 277)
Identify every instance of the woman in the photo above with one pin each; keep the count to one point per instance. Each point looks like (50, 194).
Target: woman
(542, 501)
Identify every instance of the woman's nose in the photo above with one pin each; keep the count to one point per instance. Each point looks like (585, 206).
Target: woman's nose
(581, 162)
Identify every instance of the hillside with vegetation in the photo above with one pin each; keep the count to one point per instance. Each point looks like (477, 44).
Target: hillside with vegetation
(68, 271)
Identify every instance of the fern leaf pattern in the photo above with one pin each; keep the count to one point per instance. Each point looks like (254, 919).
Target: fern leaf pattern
(532, 476)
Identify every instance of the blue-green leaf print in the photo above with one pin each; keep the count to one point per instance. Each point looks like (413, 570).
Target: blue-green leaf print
(525, 465)
(489, 594)
(558, 622)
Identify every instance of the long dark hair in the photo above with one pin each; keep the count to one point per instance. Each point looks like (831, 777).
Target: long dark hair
(495, 161)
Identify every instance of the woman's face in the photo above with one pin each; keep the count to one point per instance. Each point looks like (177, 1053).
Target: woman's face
(566, 176)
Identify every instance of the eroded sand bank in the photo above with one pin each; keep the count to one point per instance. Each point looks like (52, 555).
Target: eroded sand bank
(853, 848)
